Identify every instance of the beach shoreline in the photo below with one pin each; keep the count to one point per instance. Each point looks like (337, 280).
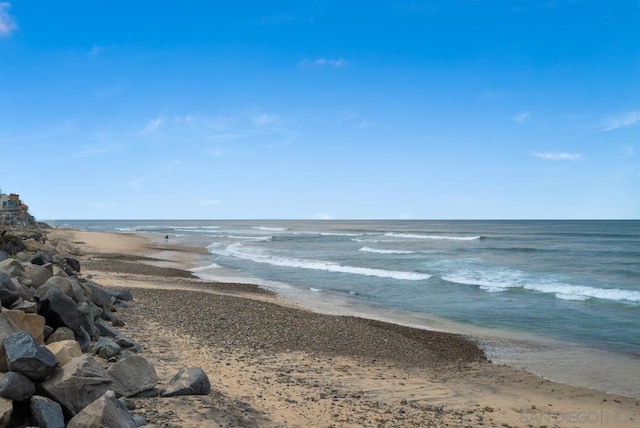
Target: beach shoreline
(279, 375)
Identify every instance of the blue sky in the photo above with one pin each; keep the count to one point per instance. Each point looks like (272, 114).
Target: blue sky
(423, 109)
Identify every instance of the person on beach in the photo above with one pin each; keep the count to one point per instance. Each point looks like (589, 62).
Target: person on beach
(166, 238)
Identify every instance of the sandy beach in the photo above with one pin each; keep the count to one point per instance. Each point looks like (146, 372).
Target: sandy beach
(275, 365)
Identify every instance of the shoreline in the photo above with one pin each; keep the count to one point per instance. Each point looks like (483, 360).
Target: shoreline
(447, 388)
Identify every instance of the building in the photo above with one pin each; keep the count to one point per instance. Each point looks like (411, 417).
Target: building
(13, 211)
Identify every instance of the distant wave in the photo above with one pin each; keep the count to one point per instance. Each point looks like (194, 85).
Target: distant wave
(378, 251)
(235, 250)
(270, 229)
(501, 280)
(434, 237)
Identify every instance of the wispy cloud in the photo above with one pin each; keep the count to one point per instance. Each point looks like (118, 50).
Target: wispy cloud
(621, 120)
(152, 125)
(522, 117)
(7, 23)
(265, 119)
(558, 156)
(323, 62)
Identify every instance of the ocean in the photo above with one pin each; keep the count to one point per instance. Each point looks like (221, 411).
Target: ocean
(558, 298)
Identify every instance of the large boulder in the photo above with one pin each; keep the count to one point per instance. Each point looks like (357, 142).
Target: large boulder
(25, 355)
(12, 267)
(60, 311)
(7, 328)
(65, 350)
(16, 386)
(190, 381)
(35, 275)
(77, 384)
(63, 284)
(73, 264)
(132, 375)
(60, 334)
(99, 295)
(10, 292)
(4, 255)
(11, 244)
(105, 412)
(87, 313)
(31, 323)
(46, 412)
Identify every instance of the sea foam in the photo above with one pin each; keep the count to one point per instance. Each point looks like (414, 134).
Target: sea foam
(433, 237)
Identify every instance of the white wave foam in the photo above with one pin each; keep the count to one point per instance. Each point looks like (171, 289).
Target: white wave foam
(270, 229)
(203, 268)
(235, 250)
(379, 251)
(433, 237)
(503, 279)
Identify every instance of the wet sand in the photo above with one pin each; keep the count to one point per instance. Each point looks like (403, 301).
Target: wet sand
(272, 364)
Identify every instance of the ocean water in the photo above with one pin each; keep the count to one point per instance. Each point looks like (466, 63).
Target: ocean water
(560, 298)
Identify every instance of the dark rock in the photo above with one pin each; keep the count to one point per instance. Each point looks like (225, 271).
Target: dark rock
(25, 355)
(123, 295)
(87, 320)
(105, 412)
(60, 311)
(149, 393)
(11, 244)
(12, 267)
(73, 263)
(105, 348)
(46, 412)
(60, 334)
(132, 375)
(125, 342)
(105, 330)
(16, 386)
(99, 295)
(41, 258)
(48, 331)
(190, 381)
(139, 420)
(25, 306)
(9, 292)
(4, 255)
(77, 384)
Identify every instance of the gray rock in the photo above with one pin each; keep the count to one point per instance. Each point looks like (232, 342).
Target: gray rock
(132, 375)
(46, 412)
(12, 267)
(25, 355)
(87, 320)
(25, 306)
(4, 255)
(190, 381)
(63, 284)
(123, 295)
(60, 311)
(60, 334)
(139, 420)
(16, 386)
(105, 348)
(99, 295)
(77, 384)
(9, 292)
(35, 275)
(105, 412)
(105, 330)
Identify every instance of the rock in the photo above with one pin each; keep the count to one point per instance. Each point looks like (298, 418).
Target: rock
(31, 323)
(24, 355)
(11, 244)
(123, 295)
(12, 268)
(190, 381)
(48, 330)
(9, 292)
(99, 295)
(6, 408)
(139, 420)
(46, 412)
(41, 258)
(25, 306)
(60, 311)
(65, 350)
(60, 334)
(73, 264)
(105, 412)
(77, 384)
(16, 386)
(87, 320)
(7, 328)
(105, 348)
(63, 284)
(4, 255)
(35, 275)
(33, 245)
(132, 375)
(105, 330)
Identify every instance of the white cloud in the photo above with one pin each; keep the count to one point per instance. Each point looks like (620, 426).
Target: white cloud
(559, 156)
(522, 117)
(621, 120)
(7, 23)
(323, 62)
(152, 125)
(265, 119)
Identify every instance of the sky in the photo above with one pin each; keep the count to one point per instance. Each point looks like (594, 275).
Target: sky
(313, 109)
